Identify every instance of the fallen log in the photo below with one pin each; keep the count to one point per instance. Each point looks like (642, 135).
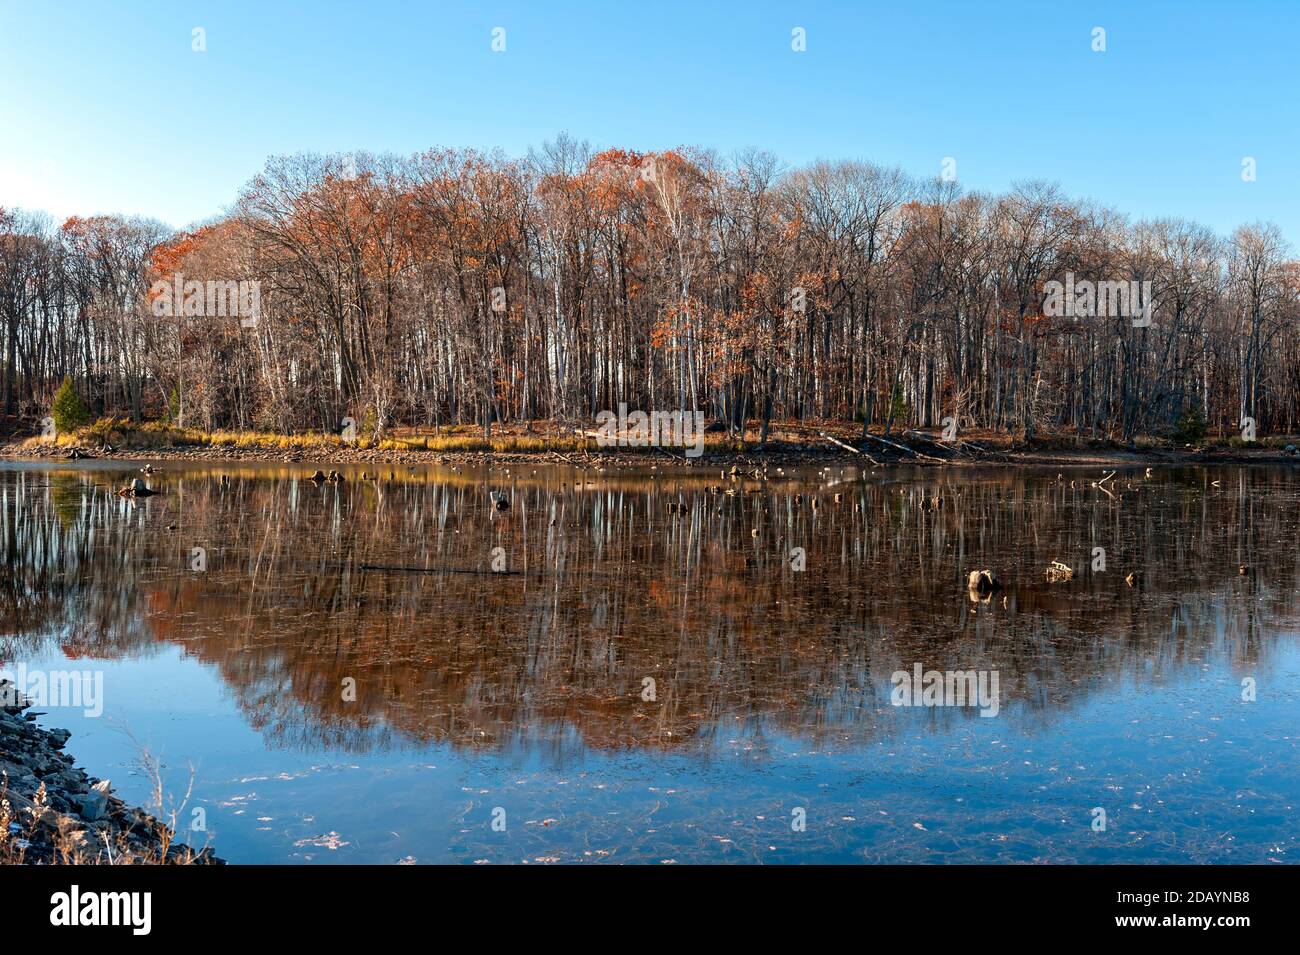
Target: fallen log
(989, 452)
(847, 447)
(956, 449)
(903, 447)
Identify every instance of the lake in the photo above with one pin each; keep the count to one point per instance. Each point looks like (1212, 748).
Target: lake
(673, 665)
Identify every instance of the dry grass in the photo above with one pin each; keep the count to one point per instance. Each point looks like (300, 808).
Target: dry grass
(151, 436)
(32, 832)
(543, 437)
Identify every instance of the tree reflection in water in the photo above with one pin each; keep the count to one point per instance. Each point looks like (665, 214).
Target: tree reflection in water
(610, 585)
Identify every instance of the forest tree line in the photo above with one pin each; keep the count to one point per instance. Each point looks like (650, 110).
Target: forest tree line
(456, 287)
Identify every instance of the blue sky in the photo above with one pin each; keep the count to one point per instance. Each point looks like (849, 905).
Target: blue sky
(104, 107)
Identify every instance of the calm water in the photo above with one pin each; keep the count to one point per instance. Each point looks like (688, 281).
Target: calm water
(521, 694)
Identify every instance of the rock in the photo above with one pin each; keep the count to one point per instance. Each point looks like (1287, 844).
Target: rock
(12, 702)
(137, 488)
(93, 805)
(68, 807)
(68, 782)
(61, 805)
(1057, 572)
(982, 581)
(42, 764)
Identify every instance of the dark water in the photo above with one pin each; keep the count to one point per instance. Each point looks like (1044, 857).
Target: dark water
(520, 695)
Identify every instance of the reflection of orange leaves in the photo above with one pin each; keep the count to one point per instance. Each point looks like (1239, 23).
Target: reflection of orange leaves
(165, 608)
(662, 595)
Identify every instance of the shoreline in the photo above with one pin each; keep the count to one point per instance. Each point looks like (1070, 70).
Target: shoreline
(55, 813)
(914, 453)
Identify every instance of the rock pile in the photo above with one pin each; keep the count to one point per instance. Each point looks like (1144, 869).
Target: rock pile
(52, 811)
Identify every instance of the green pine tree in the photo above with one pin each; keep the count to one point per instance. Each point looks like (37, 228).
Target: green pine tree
(68, 411)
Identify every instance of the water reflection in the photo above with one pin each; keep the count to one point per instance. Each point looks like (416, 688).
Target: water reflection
(614, 579)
